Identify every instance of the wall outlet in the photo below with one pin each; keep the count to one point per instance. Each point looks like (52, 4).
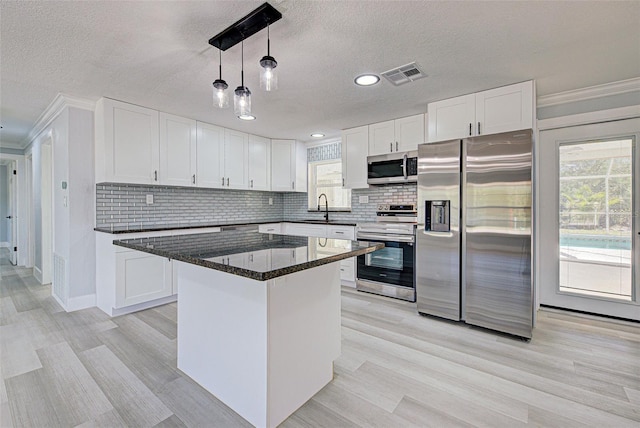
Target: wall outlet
(270, 201)
(149, 199)
(363, 199)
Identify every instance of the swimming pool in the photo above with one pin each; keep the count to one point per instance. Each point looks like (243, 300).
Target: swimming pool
(596, 241)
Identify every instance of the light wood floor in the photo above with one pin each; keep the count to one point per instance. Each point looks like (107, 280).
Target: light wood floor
(397, 369)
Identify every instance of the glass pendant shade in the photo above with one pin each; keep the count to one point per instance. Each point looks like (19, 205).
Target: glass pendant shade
(220, 94)
(242, 101)
(268, 74)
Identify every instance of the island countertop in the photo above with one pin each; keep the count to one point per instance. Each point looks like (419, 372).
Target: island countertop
(249, 253)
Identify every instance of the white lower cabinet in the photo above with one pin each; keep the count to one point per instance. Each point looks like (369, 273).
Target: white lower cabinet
(128, 280)
(348, 270)
(347, 266)
(141, 277)
(270, 228)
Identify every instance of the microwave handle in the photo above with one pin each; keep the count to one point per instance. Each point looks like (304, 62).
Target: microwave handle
(404, 166)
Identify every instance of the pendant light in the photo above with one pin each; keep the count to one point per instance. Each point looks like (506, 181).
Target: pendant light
(268, 76)
(242, 94)
(220, 94)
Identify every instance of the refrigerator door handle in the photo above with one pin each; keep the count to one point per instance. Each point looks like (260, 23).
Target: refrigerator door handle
(470, 128)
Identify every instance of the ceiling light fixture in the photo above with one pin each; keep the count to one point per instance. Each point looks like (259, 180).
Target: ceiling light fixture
(246, 27)
(242, 94)
(317, 135)
(367, 79)
(220, 94)
(268, 75)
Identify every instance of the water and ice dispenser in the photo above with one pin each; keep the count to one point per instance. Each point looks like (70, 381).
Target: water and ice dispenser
(438, 217)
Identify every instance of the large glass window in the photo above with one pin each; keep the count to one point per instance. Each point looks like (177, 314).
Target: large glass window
(596, 213)
(325, 177)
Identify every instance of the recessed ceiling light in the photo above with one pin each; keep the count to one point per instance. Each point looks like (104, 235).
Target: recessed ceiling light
(317, 135)
(247, 117)
(367, 79)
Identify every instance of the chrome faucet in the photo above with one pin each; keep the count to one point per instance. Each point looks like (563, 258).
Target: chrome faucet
(326, 206)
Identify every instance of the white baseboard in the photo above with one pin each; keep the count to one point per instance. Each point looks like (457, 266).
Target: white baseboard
(37, 273)
(5, 245)
(77, 303)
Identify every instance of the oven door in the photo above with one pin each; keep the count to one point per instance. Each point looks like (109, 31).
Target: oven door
(392, 265)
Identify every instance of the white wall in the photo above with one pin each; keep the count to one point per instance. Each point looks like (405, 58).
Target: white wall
(71, 134)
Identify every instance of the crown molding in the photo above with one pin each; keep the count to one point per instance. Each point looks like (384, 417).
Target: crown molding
(11, 146)
(600, 116)
(591, 92)
(53, 110)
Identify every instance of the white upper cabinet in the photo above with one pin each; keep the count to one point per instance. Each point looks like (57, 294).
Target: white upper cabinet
(398, 135)
(452, 118)
(259, 163)
(210, 156)
(355, 145)
(382, 138)
(409, 132)
(288, 166)
(127, 143)
(236, 155)
(508, 108)
(505, 109)
(177, 150)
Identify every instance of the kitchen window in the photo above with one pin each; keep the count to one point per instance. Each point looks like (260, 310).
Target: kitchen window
(326, 177)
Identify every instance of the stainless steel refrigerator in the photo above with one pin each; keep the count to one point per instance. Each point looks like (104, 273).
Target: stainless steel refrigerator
(473, 255)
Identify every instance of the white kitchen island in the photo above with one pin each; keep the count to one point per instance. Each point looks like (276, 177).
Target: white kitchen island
(258, 322)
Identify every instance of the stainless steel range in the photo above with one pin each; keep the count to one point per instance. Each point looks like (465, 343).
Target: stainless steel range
(391, 270)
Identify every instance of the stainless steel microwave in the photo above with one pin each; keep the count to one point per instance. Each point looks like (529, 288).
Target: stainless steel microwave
(393, 168)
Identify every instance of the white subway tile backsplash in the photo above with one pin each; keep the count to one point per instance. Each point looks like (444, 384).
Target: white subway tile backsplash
(124, 205)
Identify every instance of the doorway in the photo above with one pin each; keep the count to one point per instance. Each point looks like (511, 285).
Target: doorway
(589, 188)
(8, 192)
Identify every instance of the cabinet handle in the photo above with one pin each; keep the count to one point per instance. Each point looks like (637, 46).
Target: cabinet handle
(396, 146)
(227, 181)
(223, 181)
(478, 128)
(252, 184)
(390, 147)
(251, 258)
(293, 185)
(343, 182)
(193, 179)
(155, 175)
(338, 233)
(470, 127)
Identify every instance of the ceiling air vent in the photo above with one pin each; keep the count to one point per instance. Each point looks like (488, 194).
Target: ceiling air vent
(404, 74)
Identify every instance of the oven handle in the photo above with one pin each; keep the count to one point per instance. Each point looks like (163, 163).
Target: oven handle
(385, 238)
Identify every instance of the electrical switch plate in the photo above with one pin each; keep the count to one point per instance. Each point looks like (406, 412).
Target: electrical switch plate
(149, 199)
(363, 199)
(270, 201)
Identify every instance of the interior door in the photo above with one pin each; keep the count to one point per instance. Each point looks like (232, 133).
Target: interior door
(589, 205)
(13, 225)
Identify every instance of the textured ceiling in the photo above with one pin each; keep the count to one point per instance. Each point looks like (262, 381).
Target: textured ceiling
(156, 54)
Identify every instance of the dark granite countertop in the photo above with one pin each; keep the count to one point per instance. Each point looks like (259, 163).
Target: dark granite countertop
(137, 229)
(249, 253)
